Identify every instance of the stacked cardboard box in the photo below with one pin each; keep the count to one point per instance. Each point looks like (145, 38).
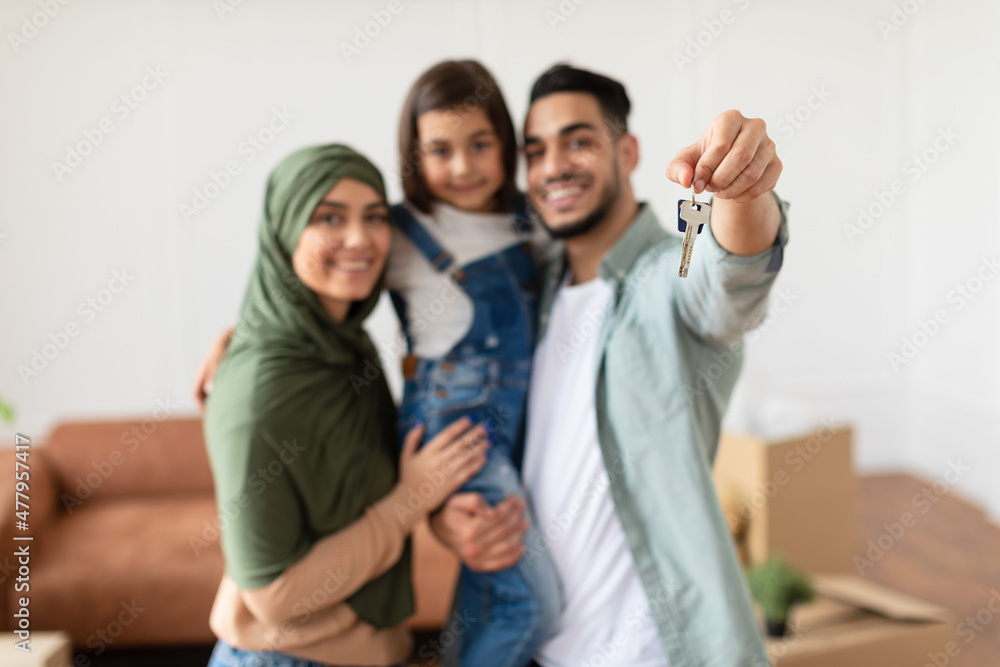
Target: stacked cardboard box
(797, 498)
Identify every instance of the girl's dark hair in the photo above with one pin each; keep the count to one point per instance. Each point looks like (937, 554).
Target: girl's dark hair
(610, 94)
(461, 86)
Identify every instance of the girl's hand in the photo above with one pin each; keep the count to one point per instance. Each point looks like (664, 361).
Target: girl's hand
(203, 377)
(442, 465)
(486, 538)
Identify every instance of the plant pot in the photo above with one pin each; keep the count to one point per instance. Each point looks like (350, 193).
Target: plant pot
(776, 628)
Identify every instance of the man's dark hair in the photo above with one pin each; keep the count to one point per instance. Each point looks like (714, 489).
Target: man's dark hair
(610, 94)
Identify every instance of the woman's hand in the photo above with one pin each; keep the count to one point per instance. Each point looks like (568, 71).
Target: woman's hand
(444, 464)
(203, 377)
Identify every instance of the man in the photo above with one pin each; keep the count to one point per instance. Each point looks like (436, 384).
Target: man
(632, 373)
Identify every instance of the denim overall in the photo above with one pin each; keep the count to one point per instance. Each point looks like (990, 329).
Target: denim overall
(502, 617)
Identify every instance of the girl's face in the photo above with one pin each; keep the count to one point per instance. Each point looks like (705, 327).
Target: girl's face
(461, 158)
(342, 251)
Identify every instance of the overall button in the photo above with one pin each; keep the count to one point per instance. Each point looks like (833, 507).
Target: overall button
(491, 341)
(447, 367)
(410, 367)
(442, 393)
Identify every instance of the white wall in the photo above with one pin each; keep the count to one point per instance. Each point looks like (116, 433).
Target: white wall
(884, 98)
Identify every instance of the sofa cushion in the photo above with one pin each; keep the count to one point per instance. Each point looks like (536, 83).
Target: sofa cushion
(144, 457)
(129, 570)
(146, 572)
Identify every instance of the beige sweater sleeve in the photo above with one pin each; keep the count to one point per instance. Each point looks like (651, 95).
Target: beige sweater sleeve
(340, 563)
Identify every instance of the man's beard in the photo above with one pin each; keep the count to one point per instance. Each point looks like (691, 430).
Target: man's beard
(609, 196)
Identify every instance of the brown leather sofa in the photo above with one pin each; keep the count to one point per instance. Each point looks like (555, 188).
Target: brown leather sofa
(126, 550)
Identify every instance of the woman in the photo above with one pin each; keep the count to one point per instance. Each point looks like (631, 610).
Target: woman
(300, 431)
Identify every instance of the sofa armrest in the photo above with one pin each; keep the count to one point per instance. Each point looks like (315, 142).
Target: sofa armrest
(43, 506)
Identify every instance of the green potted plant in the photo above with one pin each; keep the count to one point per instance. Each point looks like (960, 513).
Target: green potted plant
(6, 412)
(777, 587)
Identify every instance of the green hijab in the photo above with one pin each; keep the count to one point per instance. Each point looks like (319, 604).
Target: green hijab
(300, 436)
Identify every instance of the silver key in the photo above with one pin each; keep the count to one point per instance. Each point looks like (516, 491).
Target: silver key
(690, 218)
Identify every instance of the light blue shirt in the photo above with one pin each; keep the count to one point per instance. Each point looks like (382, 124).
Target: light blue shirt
(670, 350)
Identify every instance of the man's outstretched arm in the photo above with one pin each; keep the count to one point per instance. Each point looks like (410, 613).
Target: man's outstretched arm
(734, 266)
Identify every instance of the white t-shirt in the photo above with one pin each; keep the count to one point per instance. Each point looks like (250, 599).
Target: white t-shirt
(438, 311)
(606, 619)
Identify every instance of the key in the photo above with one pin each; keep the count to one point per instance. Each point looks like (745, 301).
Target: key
(691, 217)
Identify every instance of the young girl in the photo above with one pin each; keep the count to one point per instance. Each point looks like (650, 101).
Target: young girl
(461, 276)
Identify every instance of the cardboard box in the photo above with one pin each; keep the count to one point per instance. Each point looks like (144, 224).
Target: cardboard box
(858, 623)
(796, 497)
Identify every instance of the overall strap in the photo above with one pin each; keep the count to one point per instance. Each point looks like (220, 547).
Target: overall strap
(439, 258)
